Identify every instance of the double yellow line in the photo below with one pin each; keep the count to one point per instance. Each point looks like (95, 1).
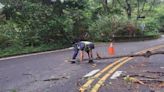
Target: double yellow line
(108, 70)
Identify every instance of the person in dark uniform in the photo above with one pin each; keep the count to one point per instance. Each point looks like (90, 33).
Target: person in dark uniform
(83, 46)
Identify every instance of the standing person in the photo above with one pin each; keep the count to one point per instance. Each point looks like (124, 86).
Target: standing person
(83, 46)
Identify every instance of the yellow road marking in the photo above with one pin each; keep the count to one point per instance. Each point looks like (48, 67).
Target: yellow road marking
(86, 85)
(102, 80)
(89, 82)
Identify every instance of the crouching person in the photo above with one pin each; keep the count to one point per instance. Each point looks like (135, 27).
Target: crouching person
(81, 47)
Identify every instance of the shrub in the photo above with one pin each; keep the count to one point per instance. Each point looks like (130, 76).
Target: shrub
(8, 34)
(4, 41)
(107, 27)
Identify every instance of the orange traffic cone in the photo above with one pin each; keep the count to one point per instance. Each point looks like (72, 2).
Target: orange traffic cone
(111, 50)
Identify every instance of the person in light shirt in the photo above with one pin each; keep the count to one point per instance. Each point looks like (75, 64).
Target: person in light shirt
(83, 46)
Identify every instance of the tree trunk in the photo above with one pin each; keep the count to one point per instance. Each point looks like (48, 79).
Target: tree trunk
(128, 9)
(105, 5)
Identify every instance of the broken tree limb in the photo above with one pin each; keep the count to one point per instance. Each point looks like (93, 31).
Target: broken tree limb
(55, 78)
(152, 81)
(142, 76)
(133, 80)
(146, 54)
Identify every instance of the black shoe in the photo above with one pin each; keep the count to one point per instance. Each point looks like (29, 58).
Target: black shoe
(90, 61)
(72, 62)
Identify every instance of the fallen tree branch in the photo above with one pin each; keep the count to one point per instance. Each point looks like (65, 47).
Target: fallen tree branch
(146, 54)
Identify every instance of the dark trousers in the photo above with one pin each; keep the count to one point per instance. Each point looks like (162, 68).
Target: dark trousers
(76, 50)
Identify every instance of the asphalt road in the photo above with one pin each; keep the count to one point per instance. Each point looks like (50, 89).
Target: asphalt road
(48, 72)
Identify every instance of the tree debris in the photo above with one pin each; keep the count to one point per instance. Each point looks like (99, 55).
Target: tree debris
(133, 80)
(26, 74)
(144, 76)
(159, 73)
(147, 54)
(148, 81)
(161, 85)
(55, 78)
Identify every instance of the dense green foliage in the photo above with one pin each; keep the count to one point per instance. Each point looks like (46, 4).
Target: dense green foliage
(36, 25)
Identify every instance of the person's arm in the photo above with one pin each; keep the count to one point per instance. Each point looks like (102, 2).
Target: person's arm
(81, 55)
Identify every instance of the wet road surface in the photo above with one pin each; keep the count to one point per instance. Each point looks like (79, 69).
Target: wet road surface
(50, 73)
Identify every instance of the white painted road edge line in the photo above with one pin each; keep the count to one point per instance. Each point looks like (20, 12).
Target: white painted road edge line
(34, 54)
(116, 74)
(91, 73)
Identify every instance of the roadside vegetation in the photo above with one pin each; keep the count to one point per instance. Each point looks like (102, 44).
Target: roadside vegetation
(40, 25)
